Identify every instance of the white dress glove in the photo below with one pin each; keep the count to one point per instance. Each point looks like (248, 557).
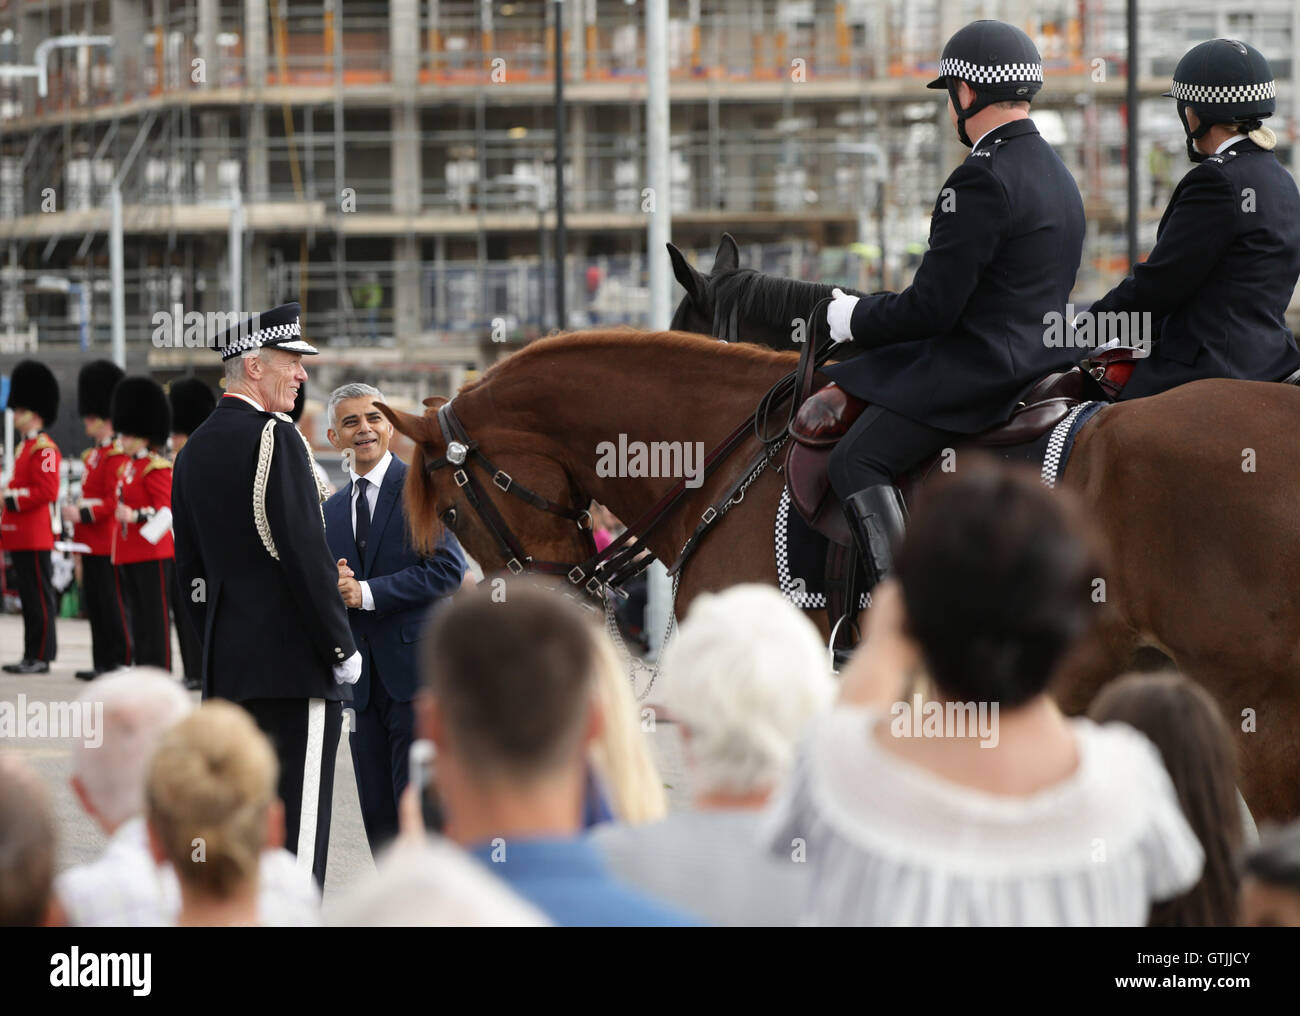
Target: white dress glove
(839, 315)
(349, 671)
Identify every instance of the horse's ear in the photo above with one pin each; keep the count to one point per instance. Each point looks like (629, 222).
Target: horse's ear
(728, 257)
(420, 429)
(693, 282)
(435, 402)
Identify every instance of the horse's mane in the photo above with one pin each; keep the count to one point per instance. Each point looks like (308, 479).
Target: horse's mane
(618, 340)
(768, 297)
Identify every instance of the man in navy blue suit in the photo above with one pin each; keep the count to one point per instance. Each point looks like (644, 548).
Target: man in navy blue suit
(388, 589)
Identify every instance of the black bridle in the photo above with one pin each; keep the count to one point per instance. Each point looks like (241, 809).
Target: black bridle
(627, 555)
(464, 452)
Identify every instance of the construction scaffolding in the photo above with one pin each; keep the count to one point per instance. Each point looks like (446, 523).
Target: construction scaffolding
(390, 165)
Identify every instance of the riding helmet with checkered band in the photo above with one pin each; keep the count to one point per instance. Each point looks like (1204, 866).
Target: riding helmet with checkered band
(999, 61)
(1224, 81)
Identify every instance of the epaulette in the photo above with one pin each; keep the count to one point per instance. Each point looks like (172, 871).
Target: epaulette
(156, 461)
(43, 441)
(85, 456)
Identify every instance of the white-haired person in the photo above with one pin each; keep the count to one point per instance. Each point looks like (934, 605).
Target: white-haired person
(211, 809)
(744, 677)
(123, 887)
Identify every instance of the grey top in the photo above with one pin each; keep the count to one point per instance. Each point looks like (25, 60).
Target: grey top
(709, 863)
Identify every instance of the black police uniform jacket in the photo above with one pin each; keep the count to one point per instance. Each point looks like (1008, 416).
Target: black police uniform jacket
(959, 347)
(1218, 281)
(271, 628)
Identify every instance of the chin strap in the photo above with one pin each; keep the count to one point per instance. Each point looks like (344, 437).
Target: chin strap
(962, 114)
(965, 114)
(1193, 135)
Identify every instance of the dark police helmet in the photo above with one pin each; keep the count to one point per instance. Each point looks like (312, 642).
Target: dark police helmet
(999, 61)
(1225, 81)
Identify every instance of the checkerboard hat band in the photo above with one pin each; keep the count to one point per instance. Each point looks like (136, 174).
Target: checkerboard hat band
(1224, 94)
(286, 336)
(992, 74)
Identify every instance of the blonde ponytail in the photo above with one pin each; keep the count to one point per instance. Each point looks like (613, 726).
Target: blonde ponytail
(1263, 137)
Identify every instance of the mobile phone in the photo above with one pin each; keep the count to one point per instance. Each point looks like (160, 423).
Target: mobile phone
(421, 775)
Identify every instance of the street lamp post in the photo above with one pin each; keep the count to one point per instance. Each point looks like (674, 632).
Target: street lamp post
(561, 317)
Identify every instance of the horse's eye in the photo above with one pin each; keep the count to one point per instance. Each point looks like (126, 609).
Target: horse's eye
(449, 518)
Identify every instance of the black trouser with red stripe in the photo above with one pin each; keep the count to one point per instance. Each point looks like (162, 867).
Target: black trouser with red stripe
(110, 634)
(36, 589)
(147, 587)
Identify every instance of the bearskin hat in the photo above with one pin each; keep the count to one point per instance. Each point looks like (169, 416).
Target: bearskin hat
(95, 385)
(33, 386)
(140, 409)
(192, 400)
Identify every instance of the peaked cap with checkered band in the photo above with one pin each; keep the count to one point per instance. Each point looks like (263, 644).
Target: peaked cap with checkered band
(280, 328)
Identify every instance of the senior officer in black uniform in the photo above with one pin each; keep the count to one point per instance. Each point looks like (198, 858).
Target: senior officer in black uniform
(954, 352)
(1227, 254)
(257, 576)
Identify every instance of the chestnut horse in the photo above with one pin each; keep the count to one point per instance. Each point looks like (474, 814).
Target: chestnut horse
(1195, 493)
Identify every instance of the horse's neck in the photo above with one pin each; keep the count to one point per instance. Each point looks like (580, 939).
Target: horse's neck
(608, 417)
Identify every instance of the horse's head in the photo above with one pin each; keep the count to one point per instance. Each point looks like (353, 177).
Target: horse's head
(696, 311)
(436, 502)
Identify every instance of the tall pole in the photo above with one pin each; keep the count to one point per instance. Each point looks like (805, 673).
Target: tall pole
(1131, 99)
(115, 273)
(658, 586)
(236, 244)
(561, 317)
(657, 164)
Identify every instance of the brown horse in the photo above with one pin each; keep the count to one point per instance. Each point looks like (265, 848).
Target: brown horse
(1196, 494)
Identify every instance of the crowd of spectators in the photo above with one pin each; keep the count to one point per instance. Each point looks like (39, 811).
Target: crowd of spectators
(813, 798)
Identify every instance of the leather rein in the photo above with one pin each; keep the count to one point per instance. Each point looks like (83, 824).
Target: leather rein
(628, 555)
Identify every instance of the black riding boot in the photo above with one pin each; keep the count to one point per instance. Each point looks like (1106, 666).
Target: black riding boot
(877, 518)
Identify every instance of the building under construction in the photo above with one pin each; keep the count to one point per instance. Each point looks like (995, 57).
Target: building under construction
(391, 165)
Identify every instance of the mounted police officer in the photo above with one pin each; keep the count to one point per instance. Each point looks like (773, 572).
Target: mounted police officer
(258, 577)
(1227, 254)
(954, 353)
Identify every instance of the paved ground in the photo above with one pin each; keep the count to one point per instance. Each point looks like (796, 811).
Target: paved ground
(81, 840)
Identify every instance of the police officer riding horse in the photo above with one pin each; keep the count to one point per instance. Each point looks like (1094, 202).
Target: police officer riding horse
(954, 353)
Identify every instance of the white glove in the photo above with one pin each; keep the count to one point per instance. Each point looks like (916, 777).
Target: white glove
(349, 671)
(839, 315)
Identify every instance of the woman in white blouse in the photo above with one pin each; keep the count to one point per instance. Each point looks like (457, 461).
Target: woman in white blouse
(982, 805)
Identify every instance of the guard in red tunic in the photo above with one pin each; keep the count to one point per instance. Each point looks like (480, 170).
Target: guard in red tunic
(93, 515)
(26, 524)
(142, 538)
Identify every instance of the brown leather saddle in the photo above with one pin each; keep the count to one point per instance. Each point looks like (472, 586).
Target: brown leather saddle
(825, 417)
